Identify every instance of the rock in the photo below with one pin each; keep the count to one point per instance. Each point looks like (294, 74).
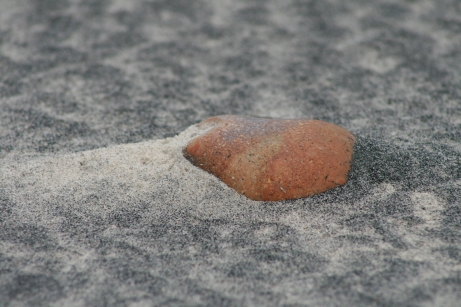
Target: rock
(273, 159)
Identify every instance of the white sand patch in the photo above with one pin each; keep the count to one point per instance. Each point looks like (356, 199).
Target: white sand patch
(428, 208)
(101, 180)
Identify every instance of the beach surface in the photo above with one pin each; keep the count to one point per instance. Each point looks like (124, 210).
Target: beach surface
(98, 206)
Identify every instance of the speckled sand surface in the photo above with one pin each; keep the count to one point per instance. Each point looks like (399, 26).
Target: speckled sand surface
(99, 208)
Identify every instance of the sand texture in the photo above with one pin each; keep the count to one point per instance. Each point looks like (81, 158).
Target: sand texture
(98, 206)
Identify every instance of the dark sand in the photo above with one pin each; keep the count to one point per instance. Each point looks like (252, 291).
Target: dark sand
(99, 208)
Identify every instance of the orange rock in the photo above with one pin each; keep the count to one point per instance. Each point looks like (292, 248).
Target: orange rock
(273, 159)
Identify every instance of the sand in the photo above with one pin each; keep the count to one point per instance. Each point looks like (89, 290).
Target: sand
(99, 208)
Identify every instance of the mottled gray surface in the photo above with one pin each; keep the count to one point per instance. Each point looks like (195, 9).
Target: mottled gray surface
(82, 75)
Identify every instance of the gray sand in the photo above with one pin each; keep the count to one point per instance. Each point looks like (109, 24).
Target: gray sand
(98, 207)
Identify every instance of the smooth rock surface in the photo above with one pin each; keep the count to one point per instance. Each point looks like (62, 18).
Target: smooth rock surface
(273, 159)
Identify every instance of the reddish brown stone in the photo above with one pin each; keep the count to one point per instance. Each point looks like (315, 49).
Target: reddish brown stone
(273, 159)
